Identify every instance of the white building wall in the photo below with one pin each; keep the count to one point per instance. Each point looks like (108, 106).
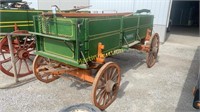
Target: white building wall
(62, 4)
(33, 3)
(159, 8)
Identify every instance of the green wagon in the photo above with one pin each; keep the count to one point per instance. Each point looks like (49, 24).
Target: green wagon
(17, 21)
(77, 44)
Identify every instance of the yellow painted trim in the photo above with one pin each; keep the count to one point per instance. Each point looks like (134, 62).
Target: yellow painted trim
(57, 53)
(10, 26)
(16, 22)
(19, 11)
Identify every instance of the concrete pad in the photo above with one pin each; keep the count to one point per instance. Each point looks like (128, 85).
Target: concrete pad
(166, 87)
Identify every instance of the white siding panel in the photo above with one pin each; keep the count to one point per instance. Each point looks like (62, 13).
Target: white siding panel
(33, 3)
(62, 4)
(159, 8)
(119, 5)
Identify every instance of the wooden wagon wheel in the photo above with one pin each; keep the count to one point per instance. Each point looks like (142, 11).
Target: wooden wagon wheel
(106, 85)
(153, 51)
(23, 53)
(42, 69)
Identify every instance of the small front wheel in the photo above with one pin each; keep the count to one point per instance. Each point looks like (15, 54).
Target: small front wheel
(42, 69)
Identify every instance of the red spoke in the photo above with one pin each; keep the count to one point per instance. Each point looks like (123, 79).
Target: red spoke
(32, 43)
(17, 38)
(20, 64)
(30, 59)
(30, 50)
(27, 65)
(10, 68)
(32, 54)
(25, 41)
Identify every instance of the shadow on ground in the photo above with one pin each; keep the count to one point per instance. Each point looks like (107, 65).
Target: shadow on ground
(186, 98)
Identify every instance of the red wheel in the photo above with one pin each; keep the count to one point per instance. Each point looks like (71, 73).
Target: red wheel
(42, 68)
(106, 85)
(151, 56)
(23, 53)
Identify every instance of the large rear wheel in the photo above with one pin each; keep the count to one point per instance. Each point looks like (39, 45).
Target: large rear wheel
(152, 54)
(23, 48)
(106, 85)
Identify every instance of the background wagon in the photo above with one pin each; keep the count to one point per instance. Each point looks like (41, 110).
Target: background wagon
(17, 17)
(77, 44)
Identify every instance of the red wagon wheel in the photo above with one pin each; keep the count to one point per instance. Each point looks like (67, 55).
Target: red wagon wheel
(106, 85)
(23, 53)
(153, 51)
(42, 69)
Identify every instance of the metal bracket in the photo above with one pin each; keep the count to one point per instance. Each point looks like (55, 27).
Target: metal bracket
(67, 43)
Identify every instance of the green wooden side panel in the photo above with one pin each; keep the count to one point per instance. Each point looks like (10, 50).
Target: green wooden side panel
(23, 19)
(110, 42)
(103, 25)
(104, 30)
(130, 25)
(130, 22)
(58, 26)
(59, 48)
(146, 21)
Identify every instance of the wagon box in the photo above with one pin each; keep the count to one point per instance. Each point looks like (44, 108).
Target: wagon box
(78, 43)
(70, 40)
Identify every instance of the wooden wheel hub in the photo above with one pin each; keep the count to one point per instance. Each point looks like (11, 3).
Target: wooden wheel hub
(110, 86)
(23, 54)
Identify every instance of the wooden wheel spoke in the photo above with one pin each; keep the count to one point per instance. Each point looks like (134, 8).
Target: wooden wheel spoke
(109, 97)
(102, 97)
(10, 68)
(31, 44)
(27, 65)
(25, 43)
(105, 100)
(100, 93)
(18, 42)
(113, 73)
(20, 65)
(30, 50)
(30, 59)
(106, 75)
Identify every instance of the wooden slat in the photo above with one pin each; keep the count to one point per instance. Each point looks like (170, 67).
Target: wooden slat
(87, 15)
